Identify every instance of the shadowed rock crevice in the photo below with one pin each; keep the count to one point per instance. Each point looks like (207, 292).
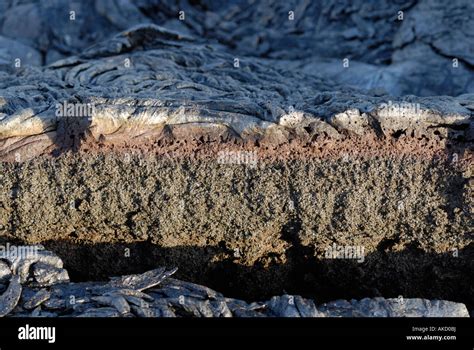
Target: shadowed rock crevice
(36, 284)
(409, 272)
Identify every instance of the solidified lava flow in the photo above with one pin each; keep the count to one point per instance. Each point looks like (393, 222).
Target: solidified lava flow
(326, 155)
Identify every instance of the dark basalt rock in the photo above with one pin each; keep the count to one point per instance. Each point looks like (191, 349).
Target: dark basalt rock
(10, 297)
(154, 294)
(404, 47)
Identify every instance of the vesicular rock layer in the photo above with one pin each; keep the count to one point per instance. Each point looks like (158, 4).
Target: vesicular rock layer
(240, 163)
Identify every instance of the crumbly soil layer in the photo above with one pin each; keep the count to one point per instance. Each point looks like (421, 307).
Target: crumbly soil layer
(258, 229)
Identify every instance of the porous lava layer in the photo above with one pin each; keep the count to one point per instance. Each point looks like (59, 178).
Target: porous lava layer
(251, 230)
(243, 173)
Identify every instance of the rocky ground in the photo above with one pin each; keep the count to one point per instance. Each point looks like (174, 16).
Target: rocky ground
(37, 285)
(239, 142)
(392, 45)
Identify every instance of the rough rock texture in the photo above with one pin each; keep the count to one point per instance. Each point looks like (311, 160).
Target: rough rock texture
(270, 224)
(402, 53)
(154, 294)
(236, 145)
(181, 90)
(170, 78)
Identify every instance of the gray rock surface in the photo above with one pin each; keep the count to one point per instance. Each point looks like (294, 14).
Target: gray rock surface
(16, 53)
(34, 264)
(151, 81)
(10, 297)
(154, 294)
(239, 70)
(404, 47)
(397, 307)
(242, 69)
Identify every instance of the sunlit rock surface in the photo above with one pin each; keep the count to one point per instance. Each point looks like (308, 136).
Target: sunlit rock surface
(245, 137)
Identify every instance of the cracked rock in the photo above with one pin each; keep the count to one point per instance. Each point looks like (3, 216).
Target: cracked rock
(99, 299)
(46, 275)
(10, 297)
(37, 299)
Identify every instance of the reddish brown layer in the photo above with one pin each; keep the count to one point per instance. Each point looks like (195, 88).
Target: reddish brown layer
(322, 147)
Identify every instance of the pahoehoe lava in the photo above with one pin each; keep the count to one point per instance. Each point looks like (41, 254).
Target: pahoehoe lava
(240, 148)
